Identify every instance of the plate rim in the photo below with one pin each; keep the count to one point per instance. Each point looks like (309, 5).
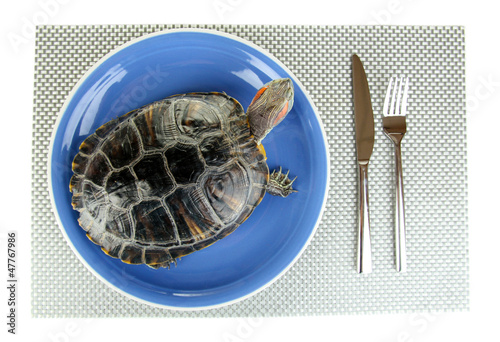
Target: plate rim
(69, 98)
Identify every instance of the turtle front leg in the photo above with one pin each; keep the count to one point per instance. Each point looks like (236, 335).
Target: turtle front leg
(279, 184)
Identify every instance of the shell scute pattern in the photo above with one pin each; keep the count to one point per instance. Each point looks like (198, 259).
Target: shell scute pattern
(184, 162)
(153, 178)
(169, 178)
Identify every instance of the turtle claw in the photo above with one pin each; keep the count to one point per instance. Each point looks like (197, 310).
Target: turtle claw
(279, 184)
(167, 264)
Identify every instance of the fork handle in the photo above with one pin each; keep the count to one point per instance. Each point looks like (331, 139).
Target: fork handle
(400, 227)
(364, 245)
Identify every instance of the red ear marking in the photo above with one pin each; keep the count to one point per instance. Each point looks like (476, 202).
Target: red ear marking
(281, 114)
(259, 93)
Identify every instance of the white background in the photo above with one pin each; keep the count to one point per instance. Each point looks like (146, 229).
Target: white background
(481, 22)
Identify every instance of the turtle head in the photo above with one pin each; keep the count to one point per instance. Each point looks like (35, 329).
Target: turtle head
(270, 106)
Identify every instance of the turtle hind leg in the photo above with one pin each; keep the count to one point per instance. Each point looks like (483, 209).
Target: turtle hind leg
(279, 184)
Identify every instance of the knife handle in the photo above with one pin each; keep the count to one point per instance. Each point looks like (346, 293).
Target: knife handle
(364, 244)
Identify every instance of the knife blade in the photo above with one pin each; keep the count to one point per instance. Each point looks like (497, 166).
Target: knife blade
(365, 138)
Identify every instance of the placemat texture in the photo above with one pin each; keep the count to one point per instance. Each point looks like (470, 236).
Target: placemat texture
(324, 280)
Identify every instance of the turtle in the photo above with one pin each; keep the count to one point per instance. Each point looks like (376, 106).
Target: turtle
(176, 175)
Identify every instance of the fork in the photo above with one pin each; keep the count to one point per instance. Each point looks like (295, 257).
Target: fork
(394, 122)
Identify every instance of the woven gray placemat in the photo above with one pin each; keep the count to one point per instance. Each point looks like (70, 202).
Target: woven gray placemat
(324, 280)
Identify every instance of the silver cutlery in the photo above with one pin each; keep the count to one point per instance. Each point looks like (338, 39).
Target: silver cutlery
(365, 137)
(394, 123)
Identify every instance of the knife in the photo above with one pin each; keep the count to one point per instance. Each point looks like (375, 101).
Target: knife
(365, 137)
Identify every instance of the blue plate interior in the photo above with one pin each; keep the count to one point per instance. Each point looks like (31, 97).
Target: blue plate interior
(176, 62)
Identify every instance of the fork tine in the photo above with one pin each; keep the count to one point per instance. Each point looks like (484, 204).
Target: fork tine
(387, 98)
(404, 103)
(393, 101)
(398, 101)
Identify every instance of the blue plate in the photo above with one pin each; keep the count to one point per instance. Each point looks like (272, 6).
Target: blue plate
(268, 243)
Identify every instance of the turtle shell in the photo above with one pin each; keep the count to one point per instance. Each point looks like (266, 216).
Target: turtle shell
(169, 178)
